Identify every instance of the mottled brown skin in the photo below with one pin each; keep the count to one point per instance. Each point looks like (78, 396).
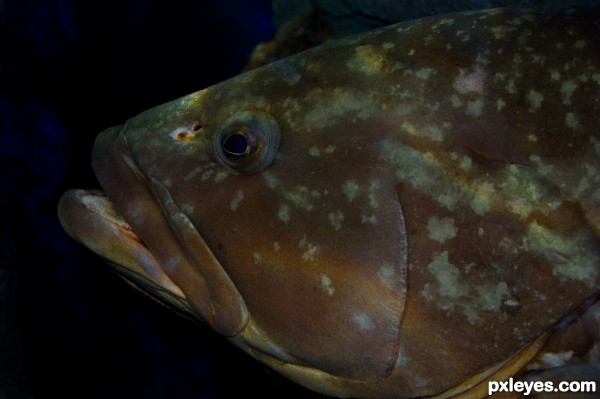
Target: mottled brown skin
(426, 217)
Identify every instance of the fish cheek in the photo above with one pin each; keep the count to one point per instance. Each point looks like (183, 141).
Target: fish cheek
(324, 281)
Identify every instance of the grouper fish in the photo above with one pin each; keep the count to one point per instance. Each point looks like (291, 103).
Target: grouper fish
(408, 212)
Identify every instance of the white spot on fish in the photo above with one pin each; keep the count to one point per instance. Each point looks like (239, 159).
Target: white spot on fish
(326, 285)
(187, 209)
(314, 152)
(336, 219)
(566, 91)
(484, 192)
(220, 176)
(557, 359)
(257, 258)
(363, 321)
(370, 219)
(271, 180)
(571, 120)
(441, 229)
(475, 108)
(421, 382)
(564, 253)
(535, 99)
(311, 249)
(190, 175)
(456, 102)
(276, 246)
(472, 82)
(351, 189)
(329, 149)
(387, 274)
(446, 275)
(284, 213)
(424, 73)
(367, 60)
(235, 202)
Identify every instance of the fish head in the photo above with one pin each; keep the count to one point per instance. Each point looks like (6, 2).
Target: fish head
(233, 211)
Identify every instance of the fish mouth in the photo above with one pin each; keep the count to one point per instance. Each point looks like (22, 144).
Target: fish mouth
(90, 217)
(135, 225)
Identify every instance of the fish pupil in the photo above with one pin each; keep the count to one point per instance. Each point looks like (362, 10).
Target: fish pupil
(236, 144)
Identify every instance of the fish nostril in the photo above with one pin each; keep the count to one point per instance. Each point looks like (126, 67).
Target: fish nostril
(196, 127)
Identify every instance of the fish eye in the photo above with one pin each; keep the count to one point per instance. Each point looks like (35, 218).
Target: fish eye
(239, 144)
(247, 142)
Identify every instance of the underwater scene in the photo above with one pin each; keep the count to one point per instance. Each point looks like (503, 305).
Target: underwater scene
(338, 206)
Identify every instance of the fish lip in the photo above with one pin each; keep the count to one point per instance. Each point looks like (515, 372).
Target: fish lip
(90, 218)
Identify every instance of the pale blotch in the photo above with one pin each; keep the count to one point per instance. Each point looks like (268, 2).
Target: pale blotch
(257, 258)
(542, 167)
(314, 152)
(447, 201)
(473, 82)
(571, 120)
(510, 86)
(188, 209)
(566, 91)
(373, 188)
(363, 321)
(564, 253)
(271, 180)
(329, 149)
(424, 73)
(475, 108)
(207, 175)
(386, 274)
(456, 103)
(434, 133)
(421, 382)
(220, 176)
(302, 197)
(235, 202)
(192, 173)
(351, 190)
(441, 229)
(326, 285)
(366, 60)
(446, 275)
(532, 138)
(501, 31)
(388, 45)
(276, 246)
(535, 99)
(368, 219)
(554, 74)
(500, 103)
(311, 250)
(284, 213)
(557, 359)
(480, 203)
(336, 219)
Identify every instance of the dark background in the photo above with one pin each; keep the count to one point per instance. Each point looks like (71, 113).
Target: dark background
(69, 326)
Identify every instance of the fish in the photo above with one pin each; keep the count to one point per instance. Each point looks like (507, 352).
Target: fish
(412, 211)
